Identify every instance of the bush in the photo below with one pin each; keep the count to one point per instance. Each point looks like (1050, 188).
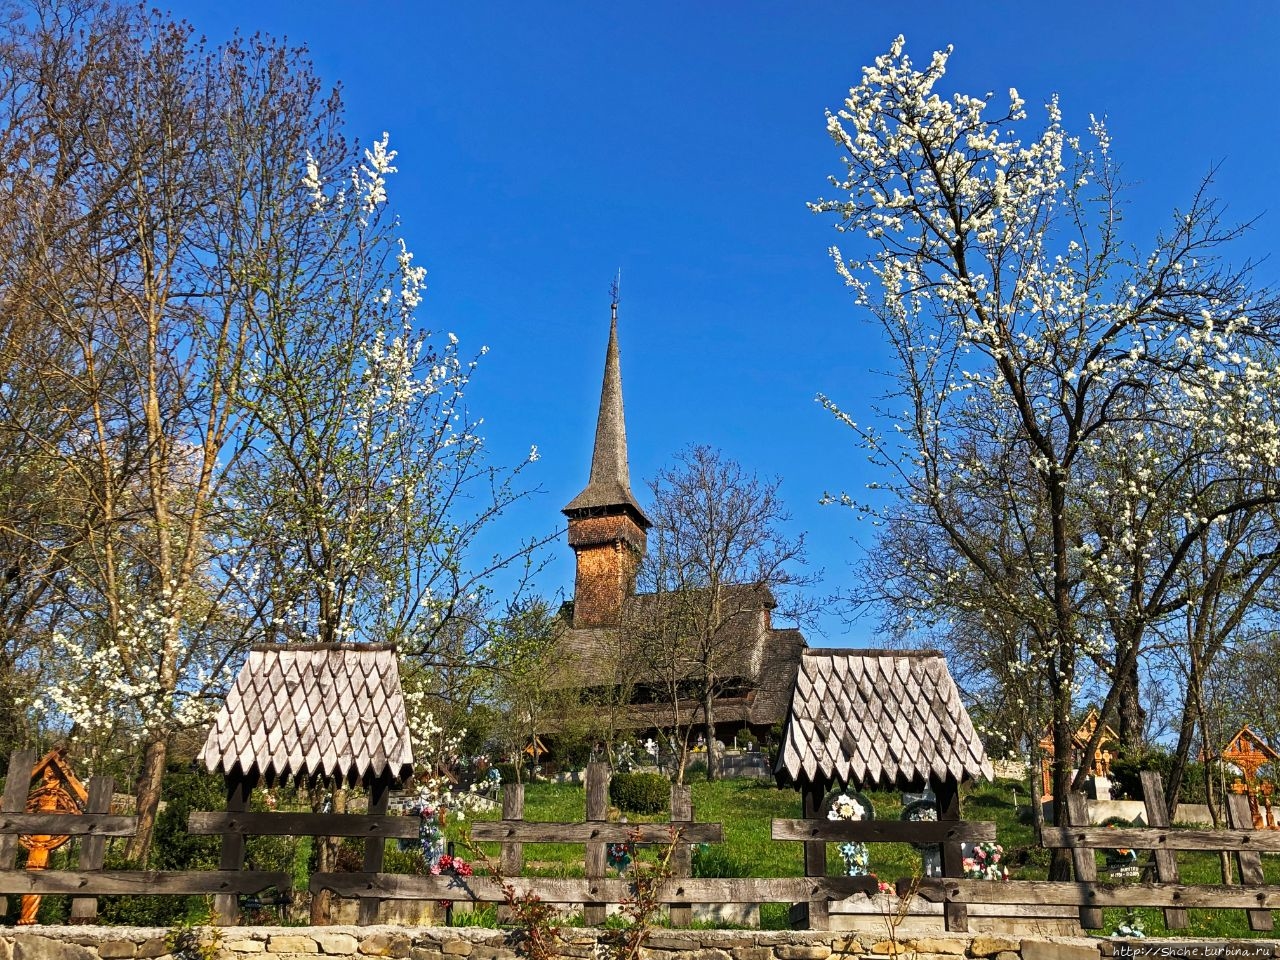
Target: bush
(640, 792)
(1126, 775)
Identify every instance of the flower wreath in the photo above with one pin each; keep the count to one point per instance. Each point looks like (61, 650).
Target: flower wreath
(851, 807)
(620, 855)
(922, 811)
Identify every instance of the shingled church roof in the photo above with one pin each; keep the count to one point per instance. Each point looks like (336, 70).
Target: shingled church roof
(609, 487)
(877, 718)
(313, 710)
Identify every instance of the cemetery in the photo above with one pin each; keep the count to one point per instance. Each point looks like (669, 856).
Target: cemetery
(857, 726)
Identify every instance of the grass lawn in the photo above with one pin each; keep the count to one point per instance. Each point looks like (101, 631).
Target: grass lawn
(746, 807)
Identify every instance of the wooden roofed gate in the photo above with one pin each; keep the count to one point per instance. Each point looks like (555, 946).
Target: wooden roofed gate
(882, 718)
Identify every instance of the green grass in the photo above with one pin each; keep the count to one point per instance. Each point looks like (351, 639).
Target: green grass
(747, 807)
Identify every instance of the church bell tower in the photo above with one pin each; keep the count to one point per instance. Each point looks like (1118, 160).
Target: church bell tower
(606, 525)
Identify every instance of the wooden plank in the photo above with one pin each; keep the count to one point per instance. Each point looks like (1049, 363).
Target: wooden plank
(374, 847)
(1240, 817)
(1086, 864)
(512, 857)
(17, 785)
(226, 906)
(1166, 859)
(815, 852)
(1148, 838)
(593, 914)
(68, 824)
(883, 831)
(955, 915)
(397, 886)
(525, 831)
(92, 848)
(140, 882)
(1099, 895)
(682, 856)
(304, 825)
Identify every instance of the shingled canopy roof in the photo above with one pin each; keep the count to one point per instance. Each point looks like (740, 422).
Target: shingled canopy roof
(313, 710)
(879, 718)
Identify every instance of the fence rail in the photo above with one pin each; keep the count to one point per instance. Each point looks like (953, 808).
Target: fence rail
(1163, 888)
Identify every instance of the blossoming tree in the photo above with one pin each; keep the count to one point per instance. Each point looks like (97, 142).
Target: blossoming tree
(1068, 416)
(269, 445)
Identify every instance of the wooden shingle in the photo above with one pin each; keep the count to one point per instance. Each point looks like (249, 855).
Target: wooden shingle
(313, 710)
(876, 718)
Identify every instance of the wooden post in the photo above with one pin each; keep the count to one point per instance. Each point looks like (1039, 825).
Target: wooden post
(512, 859)
(682, 855)
(1084, 858)
(1239, 817)
(815, 852)
(17, 785)
(955, 915)
(1175, 918)
(375, 847)
(92, 848)
(226, 906)
(593, 914)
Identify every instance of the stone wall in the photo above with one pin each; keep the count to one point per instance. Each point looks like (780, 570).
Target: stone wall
(456, 943)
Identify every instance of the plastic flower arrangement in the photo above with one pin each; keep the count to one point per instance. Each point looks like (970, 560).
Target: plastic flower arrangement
(431, 819)
(620, 855)
(448, 863)
(984, 863)
(856, 857)
(1132, 926)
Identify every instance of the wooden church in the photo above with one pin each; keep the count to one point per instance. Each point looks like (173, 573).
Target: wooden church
(757, 663)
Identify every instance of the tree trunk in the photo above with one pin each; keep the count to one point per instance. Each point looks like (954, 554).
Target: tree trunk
(713, 758)
(1132, 716)
(148, 799)
(1060, 865)
(326, 856)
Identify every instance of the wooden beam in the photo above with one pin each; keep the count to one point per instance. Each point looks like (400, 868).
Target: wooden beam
(92, 848)
(304, 825)
(1166, 861)
(374, 846)
(1084, 861)
(815, 851)
(1152, 838)
(681, 864)
(396, 886)
(512, 856)
(883, 831)
(1239, 816)
(68, 824)
(1099, 895)
(82, 883)
(226, 905)
(525, 831)
(17, 785)
(596, 859)
(955, 915)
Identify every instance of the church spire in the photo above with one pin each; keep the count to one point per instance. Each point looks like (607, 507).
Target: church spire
(609, 488)
(606, 525)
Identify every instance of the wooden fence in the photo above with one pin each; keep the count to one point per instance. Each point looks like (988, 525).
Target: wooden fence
(596, 888)
(1166, 891)
(89, 880)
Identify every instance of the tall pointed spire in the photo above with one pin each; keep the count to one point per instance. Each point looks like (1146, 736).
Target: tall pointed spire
(606, 525)
(609, 487)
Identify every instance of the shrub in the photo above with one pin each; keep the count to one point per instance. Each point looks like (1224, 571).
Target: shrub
(640, 792)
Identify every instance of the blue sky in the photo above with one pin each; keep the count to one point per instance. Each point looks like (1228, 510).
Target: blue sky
(542, 146)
